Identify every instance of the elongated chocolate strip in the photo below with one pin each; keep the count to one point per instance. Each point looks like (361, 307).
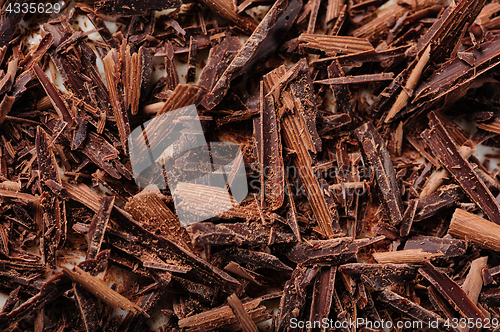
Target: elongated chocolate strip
(206, 233)
(357, 79)
(375, 151)
(451, 292)
(98, 226)
(87, 307)
(412, 309)
(7, 80)
(474, 282)
(57, 285)
(99, 289)
(227, 11)
(268, 145)
(300, 135)
(16, 194)
(473, 228)
(148, 208)
(444, 198)
(457, 73)
(191, 69)
(261, 43)
(379, 275)
(447, 152)
(246, 322)
(407, 256)
(332, 45)
(52, 93)
(291, 216)
(6, 106)
(239, 270)
(446, 246)
(343, 96)
(133, 7)
(103, 30)
(335, 251)
(324, 285)
(255, 258)
(294, 296)
(223, 317)
(408, 218)
(119, 112)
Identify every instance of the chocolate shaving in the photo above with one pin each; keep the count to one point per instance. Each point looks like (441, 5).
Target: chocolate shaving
(446, 151)
(54, 96)
(336, 251)
(294, 297)
(98, 226)
(99, 289)
(357, 79)
(246, 322)
(324, 286)
(412, 309)
(451, 292)
(379, 275)
(374, 150)
(261, 43)
(223, 317)
(133, 7)
(239, 234)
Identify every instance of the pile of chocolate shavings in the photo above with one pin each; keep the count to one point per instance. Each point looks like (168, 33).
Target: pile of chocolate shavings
(366, 199)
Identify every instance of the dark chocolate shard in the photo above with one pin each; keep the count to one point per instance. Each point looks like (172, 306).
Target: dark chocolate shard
(148, 208)
(331, 122)
(88, 309)
(247, 274)
(447, 152)
(444, 34)
(291, 216)
(246, 322)
(103, 30)
(191, 69)
(229, 13)
(377, 155)
(380, 275)
(448, 247)
(121, 117)
(413, 310)
(54, 96)
(223, 318)
(324, 285)
(456, 73)
(408, 218)
(53, 288)
(205, 233)
(133, 7)
(261, 43)
(451, 292)
(98, 226)
(255, 258)
(219, 58)
(294, 296)
(342, 93)
(267, 142)
(331, 45)
(300, 135)
(335, 251)
(147, 301)
(11, 300)
(444, 198)
(491, 297)
(357, 79)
